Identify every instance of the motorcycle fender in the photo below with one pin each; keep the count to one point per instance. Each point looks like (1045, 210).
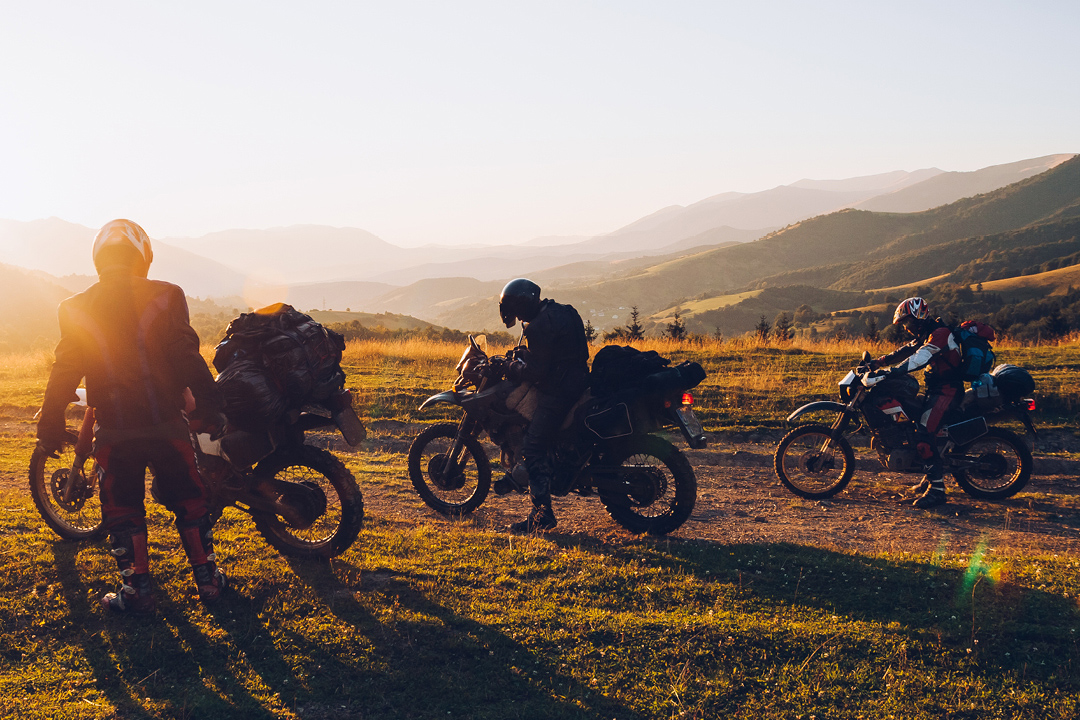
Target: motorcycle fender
(350, 426)
(449, 397)
(691, 428)
(819, 406)
(1028, 425)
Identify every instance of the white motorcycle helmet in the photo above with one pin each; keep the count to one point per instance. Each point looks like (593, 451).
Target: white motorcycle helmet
(122, 244)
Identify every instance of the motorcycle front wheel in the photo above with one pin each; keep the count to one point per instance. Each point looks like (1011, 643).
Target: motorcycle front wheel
(654, 489)
(79, 517)
(1000, 465)
(456, 490)
(337, 527)
(812, 463)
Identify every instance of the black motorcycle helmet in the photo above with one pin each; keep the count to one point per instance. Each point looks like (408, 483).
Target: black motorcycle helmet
(520, 300)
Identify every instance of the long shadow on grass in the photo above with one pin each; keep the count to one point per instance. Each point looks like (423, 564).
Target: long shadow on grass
(973, 610)
(156, 661)
(426, 660)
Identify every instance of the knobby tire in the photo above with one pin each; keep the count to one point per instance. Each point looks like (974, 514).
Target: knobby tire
(1018, 464)
(805, 471)
(477, 474)
(337, 528)
(680, 493)
(84, 524)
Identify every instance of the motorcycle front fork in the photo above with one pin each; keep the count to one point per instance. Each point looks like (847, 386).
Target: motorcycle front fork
(466, 428)
(837, 428)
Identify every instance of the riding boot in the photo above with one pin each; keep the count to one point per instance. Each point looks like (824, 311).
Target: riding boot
(136, 594)
(934, 482)
(932, 466)
(198, 540)
(541, 518)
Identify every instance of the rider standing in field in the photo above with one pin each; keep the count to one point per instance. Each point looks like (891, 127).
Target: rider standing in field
(131, 339)
(558, 366)
(934, 348)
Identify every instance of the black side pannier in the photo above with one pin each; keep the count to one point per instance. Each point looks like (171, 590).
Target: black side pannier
(610, 422)
(274, 360)
(1013, 381)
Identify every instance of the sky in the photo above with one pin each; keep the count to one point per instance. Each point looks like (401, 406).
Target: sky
(502, 121)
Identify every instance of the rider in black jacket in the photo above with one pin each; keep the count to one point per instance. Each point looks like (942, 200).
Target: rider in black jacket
(558, 365)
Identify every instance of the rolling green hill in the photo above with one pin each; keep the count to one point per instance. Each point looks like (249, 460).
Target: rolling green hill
(1008, 230)
(742, 316)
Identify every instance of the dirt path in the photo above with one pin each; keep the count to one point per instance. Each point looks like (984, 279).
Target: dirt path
(741, 501)
(746, 504)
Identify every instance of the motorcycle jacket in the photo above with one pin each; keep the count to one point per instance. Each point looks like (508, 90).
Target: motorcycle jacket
(937, 351)
(132, 340)
(558, 351)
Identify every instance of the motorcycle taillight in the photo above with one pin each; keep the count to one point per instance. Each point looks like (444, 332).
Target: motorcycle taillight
(687, 399)
(1029, 403)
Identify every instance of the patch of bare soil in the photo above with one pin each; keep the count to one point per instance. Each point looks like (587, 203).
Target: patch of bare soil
(740, 500)
(747, 504)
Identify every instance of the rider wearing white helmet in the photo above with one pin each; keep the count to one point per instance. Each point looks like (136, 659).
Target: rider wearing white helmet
(934, 348)
(132, 341)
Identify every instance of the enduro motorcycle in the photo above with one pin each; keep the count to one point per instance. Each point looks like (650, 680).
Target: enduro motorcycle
(816, 460)
(605, 447)
(303, 499)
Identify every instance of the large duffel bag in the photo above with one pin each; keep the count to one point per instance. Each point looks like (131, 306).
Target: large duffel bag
(1012, 381)
(276, 359)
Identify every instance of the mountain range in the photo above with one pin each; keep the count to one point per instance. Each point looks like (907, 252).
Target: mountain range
(843, 236)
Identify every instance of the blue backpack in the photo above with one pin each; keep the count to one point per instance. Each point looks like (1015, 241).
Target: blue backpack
(977, 357)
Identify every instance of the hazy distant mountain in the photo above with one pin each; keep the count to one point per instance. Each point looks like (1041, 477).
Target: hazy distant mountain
(760, 211)
(947, 187)
(61, 248)
(718, 236)
(437, 297)
(30, 302)
(320, 266)
(554, 240)
(848, 240)
(347, 295)
(881, 183)
(503, 268)
(54, 246)
(300, 253)
(991, 235)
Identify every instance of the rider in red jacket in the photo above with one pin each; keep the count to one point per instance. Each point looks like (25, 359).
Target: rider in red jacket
(131, 339)
(935, 349)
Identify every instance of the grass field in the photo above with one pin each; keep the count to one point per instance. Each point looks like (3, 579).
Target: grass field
(423, 620)
(749, 386)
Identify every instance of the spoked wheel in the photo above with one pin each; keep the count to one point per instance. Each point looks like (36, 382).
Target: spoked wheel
(997, 465)
(812, 463)
(653, 489)
(69, 505)
(326, 491)
(452, 486)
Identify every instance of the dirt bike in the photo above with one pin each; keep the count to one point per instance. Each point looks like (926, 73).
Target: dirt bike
(303, 499)
(817, 461)
(605, 447)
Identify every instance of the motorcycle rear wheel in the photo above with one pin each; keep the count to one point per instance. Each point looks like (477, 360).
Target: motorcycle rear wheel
(336, 529)
(667, 478)
(450, 494)
(77, 520)
(1003, 465)
(809, 471)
